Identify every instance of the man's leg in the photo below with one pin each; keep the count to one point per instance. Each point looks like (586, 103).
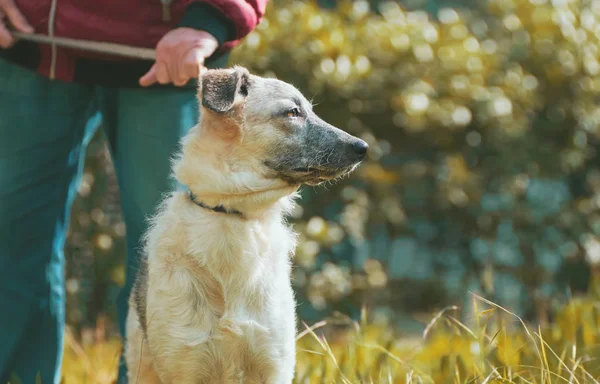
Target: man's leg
(42, 140)
(143, 128)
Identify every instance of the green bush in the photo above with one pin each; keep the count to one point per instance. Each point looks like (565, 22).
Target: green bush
(483, 126)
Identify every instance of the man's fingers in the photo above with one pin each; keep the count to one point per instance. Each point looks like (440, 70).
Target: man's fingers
(162, 74)
(149, 78)
(179, 77)
(182, 73)
(157, 74)
(10, 12)
(6, 39)
(174, 68)
(16, 18)
(172, 65)
(193, 65)
(180, 81)
(192, 69)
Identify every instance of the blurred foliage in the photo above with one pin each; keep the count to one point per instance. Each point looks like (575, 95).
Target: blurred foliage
(493, 347)
(483, 176)
(95, 248)
(483, 127)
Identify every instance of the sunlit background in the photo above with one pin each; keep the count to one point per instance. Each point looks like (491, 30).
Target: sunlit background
(483, 120)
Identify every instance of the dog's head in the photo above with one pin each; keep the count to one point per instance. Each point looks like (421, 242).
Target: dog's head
(258, 134)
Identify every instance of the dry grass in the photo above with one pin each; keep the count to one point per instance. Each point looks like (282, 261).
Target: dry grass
(492, 346)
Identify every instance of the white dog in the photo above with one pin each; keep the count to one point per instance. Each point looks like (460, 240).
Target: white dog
(213, 301)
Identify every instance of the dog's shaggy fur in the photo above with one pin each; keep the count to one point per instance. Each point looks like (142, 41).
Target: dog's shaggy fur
(213, 301)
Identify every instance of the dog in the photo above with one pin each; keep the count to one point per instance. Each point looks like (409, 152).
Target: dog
(213, 301)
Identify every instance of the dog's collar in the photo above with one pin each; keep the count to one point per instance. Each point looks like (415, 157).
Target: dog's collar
(219, 208)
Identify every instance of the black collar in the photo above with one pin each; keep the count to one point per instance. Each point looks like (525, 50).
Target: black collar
(219, 208)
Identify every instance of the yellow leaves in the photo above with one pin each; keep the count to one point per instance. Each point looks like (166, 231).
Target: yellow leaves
(509, 348)
(579, 322)
(374, 172)
(117, 275)
(90, 362)
(400, 42)
(589, 328)
(316, 233)
(568, 321)
(368, 352)
(104, 242)
(458, 170)
(376, 275)
(442, 345)
(364, 54)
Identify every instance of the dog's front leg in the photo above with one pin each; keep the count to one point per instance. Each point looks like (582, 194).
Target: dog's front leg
(198, 367)
(285, 371)
(182, 355)
(264, 360)
(139, 362)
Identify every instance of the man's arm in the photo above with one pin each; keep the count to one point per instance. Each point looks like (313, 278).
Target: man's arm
(9, 10)
(206, 27)
(239, 16)
(227, 21)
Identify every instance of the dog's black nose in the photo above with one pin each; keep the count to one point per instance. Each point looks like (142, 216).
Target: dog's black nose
(360, 147)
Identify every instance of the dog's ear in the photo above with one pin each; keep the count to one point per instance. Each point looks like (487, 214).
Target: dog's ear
(221, 88)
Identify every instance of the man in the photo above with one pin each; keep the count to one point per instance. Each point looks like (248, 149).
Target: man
(51, 101)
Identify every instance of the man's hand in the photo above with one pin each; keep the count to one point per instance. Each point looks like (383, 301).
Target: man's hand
(180, 56)
(10, 13)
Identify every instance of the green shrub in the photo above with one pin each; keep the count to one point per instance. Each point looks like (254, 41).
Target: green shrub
(483, 127)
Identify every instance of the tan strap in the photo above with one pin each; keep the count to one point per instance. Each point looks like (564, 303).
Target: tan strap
(92, 46)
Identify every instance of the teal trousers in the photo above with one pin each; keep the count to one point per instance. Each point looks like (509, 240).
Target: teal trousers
(45, 127)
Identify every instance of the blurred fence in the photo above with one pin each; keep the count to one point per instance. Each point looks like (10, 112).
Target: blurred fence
(483, 173)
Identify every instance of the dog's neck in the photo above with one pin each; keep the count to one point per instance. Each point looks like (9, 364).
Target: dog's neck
(217, 208)
(247, 206)
(202, 166)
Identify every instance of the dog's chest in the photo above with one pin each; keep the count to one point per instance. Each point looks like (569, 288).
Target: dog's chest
(255, 293)
(223, 291)
(256, 325)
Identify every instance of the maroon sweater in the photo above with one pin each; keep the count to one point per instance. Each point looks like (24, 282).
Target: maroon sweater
(140, 23)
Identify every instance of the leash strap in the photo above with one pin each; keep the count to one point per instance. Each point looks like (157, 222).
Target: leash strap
(92, 46)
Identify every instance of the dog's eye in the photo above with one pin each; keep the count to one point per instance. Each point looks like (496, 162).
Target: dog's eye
(294, 112)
